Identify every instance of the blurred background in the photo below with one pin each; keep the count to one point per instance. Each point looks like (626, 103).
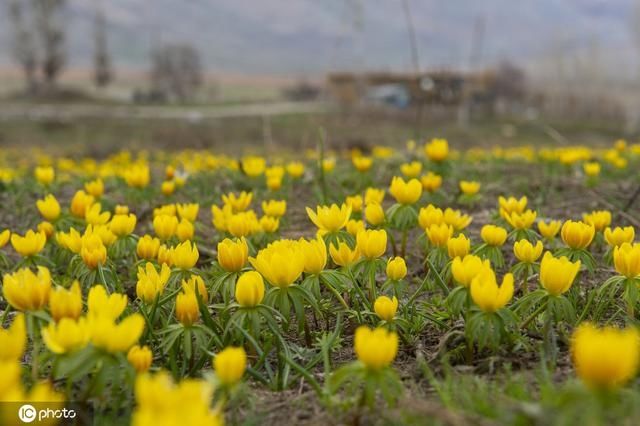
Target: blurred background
(239, 75)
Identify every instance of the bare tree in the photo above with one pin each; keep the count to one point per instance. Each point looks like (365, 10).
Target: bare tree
(103, 73)
(50, 28)
(176, 71)
(24, 50)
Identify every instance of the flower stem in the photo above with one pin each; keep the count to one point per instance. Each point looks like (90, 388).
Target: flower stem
(535, 313)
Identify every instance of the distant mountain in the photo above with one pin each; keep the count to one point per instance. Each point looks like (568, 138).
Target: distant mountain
(312, 36)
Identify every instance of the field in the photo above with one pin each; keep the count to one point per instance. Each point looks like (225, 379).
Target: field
(318, 268)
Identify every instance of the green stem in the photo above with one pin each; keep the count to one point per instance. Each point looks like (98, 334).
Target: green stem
(356, 286)
(404, 243)
(533, 316)
(525, 284)
(393, 243)
(338, 296)
(372, 285)
(418, 291)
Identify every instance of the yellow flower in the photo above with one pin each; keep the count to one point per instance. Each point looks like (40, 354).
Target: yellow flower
(253, 166)
(95, 187)
(591, 169)
(100, 304)
(599, 219)
(49, 208)
(106, 236)
(27, 291)
(274, 183)
(439, 234)
(281, 263)
(386, 308)
(429, 216)
(72, 240)
(269, 224)
(137, 176)
(615, 237)
(121, 209)
(185, 230)
(115, 338)
(13, 340)
(167, 209)
(607, 357)
(493, 235)
(373, 196)
(557, 274)
(522, 220)
(549, 230)
(151, 283)
(238, 203)
(411, 170)
(353, 227)
(382, 151)
(80, 202)
(122, 224)
(374, 214)
(626, 259)
(230, 365)
(396, 268)
(250, 289)
(274, 208)
(165, 226)
(187, 311)
(405, 192)
(315, 255)
(140, 357)
(371, 243)
(93, 251)
(95, 216)
(456, 219)
(295, 169)
(527, 252)
(46, 228)
(160, 402)
(362, 164)
(44, 175)
(328, 164)
(577, 235)
(330, 218)
(185, 255)
(196, 284)
(188, 211)
(437, 150)
(511, 205)
(67, 335)
(32, 243)
(469, 187)
(343, 255)
(65, 303)
(464, 269)
(242, 224)
(486, 293)
(376, 348)
(233, 254)
(355, 202)
(148, 247)
(458, 246)
(165, 254)
(4, 237)
(168, 187)
(431, 182)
